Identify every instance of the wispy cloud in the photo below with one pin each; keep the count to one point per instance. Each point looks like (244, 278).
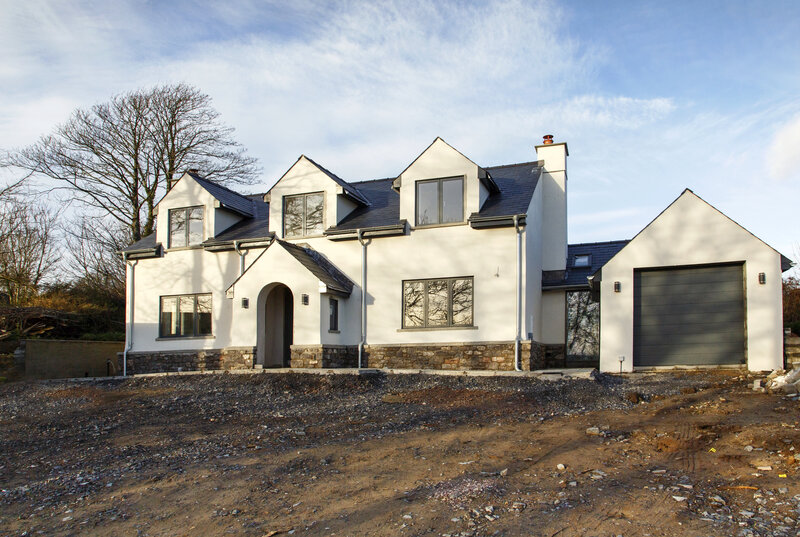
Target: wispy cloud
(783, 153)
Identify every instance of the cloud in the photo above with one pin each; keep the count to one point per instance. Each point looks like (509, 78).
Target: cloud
(783, 155)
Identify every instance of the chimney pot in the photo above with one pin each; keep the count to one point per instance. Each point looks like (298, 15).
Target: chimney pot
(194, 171)
(548, 139)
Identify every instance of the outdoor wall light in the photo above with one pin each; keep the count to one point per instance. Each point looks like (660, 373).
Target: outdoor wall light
(617, 287)
(762, 278)
(304, 299)
(245, 303)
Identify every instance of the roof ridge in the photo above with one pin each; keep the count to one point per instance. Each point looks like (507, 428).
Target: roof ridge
(511, 165)
(598, 242)
(372, 180)
(215, 183)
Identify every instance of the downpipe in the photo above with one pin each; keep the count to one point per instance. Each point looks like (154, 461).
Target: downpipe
(241, 256)
(361, 342)
(129, 330)
(518, 309)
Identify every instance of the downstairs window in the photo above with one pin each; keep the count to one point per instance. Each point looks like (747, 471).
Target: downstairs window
(185, 315)
(437, 303)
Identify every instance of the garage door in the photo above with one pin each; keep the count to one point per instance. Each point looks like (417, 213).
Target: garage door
(691, 316)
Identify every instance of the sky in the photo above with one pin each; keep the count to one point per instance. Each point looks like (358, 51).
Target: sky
(651, 97)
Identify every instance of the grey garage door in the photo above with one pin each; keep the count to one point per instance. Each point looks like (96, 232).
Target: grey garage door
(689, 316)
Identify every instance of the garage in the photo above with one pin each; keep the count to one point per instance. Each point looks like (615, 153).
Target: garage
(692, 289)
(689, 316)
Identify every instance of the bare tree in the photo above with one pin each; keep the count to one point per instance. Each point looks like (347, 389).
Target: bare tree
(118, 157)
(27, 249)
(95, 265)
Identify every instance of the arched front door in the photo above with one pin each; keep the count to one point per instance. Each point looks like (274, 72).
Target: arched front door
(275, 325)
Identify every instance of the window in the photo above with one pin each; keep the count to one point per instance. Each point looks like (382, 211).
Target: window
(583, 327)
(185, 227)
(302, 215)
(437, 303)
(440, 201)
(334, 315)
(185, 316)
(583, 260)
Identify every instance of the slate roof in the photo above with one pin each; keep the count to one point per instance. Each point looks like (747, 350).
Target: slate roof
(599, 252)
(145, 243)
(320, 267)
(256, 227)
(383, 209)
(516, 183)
(227, 197)
(350, 189)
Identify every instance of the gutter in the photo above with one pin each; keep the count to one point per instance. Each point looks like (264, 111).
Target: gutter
(260, 242)
(362, 341)
(518, 309)
(129, 331)
(480, 222)
(377, 231)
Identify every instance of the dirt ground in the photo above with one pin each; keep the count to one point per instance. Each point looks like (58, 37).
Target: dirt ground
(691, 454)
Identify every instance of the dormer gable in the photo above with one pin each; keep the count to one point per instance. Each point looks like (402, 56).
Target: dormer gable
(308, 199)
(430, 187)
(196, 209)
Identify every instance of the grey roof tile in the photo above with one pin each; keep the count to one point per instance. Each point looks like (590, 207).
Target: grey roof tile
(320, 267)
(145, 243)
(599, 252)
(383, 209)
(516, 183)
(256, 227)
(227, 197)
(349, 188)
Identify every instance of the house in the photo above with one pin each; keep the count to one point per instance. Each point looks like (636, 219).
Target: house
(448, 265)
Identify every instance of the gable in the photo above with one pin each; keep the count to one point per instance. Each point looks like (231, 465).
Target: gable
(691, 231)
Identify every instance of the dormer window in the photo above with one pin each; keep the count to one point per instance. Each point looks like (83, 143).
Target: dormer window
(583, 260)
(185, 227)
(303, 215)
(440, 201)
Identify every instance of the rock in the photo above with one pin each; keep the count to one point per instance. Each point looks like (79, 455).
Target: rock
(519, 506)
(594, 431)
(748, 448)
(573, 483)
(560, 467)
(783, 490)
(679, 498)
(764, 468)
(408, 517)
(758, 384)
(504, 472)
(790, 389)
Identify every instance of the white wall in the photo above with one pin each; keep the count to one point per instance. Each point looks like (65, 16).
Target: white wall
(532, 283)
(692, 232)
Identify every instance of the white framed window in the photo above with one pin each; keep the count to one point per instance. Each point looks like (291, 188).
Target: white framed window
(185, 227)
(303, 214)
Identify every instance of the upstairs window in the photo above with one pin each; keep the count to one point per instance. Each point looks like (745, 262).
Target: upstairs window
(437, 303)
(185, 316)
(185, 227)
(582, 260)
(440, 201)
(303, 215)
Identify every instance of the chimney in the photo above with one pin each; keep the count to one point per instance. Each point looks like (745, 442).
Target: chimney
(553, 158)
(195, 171)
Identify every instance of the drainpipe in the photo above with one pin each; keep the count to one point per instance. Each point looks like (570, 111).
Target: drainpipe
(241, 257)
(129, 331)
(361, 240)
(518, 309)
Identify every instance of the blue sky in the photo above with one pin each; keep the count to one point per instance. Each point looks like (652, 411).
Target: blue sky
(652, 97)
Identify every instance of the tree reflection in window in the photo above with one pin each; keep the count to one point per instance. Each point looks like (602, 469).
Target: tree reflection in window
(583, 327)
(303, 215)
(438, 303)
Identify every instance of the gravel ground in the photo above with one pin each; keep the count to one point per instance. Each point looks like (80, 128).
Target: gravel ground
(68, 444)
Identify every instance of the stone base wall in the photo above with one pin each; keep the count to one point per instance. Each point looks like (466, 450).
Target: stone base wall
(172, 361)
(324, 356)
(454, 356)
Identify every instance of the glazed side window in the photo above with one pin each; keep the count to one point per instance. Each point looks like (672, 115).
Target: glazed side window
(303, 214)
(440, 201)
(333, 322)
(438, 303)
(185, 315)
(185, 227)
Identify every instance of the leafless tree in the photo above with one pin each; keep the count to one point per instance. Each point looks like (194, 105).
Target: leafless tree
(93, 246)
(118, 157)
(27, 249)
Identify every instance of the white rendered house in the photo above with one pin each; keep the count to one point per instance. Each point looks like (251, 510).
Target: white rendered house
(448, 265)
